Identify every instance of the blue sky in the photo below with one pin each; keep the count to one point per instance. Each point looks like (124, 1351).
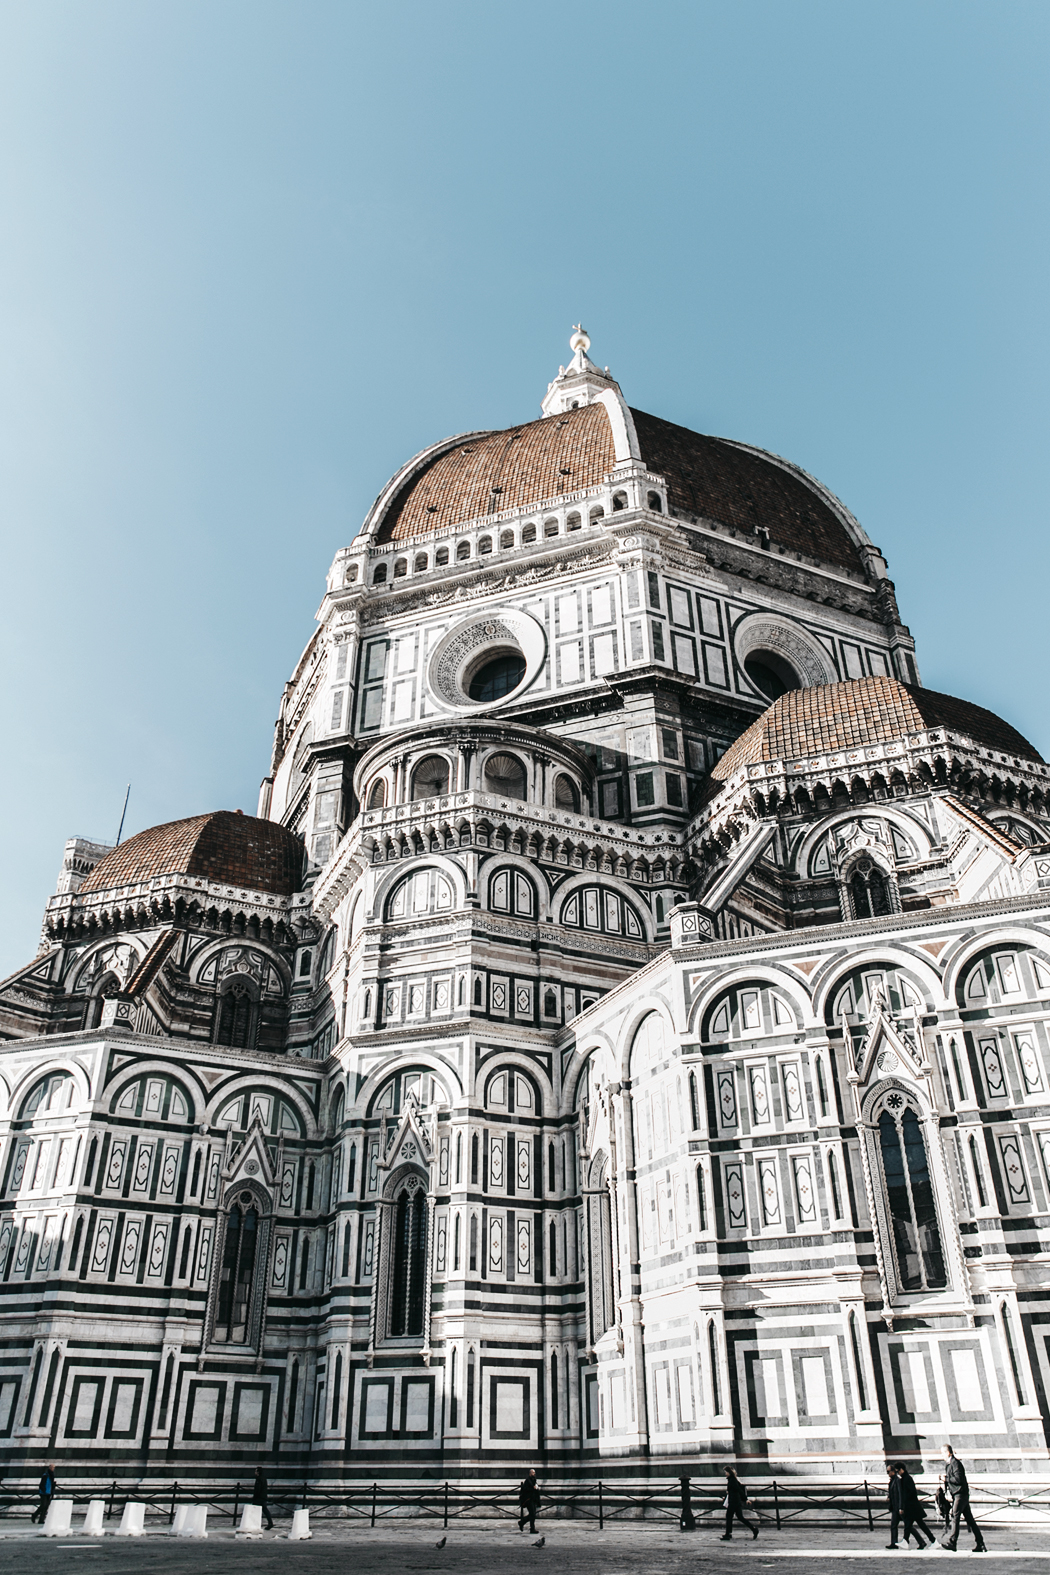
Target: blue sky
(255, 255)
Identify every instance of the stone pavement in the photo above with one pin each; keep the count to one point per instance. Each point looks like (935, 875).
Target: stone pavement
(481, 1548)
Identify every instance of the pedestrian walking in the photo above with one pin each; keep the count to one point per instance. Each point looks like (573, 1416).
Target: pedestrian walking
(958, 1490)
(912, 1512)
(733, 1504)
(528, 1502)
(893, 1503)
(260, 1494)
(46, 1490)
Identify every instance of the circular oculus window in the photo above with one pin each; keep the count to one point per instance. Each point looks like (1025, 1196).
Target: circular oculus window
(777, 656)
(488, 660)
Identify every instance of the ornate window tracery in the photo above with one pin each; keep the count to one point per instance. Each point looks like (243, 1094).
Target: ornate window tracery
(237, 1273)
(869, 891)
(236, 1016)
(408, 1268)
(911, 1205)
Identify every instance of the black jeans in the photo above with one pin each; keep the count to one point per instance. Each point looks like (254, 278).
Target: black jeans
(736, 1510)
(266, 1513)
(527, 1512)
(40, 1513)
(961, 1511)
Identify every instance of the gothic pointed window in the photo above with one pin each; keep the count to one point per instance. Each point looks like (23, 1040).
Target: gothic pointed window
(234, 1303)
(408, 1279)
(602, 1268)
(235, 1021)
(910, 1198)
(869, 892)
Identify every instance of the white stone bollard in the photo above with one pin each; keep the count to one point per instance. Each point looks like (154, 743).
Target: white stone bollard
(131, 1522)
(96, 1512)
(251, 1521)
(300, 1531)
(59, 1517)
(175, 1529)
(196, 1521)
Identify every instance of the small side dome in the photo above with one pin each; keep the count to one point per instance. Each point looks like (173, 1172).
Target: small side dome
(861, 712)
(259, 855)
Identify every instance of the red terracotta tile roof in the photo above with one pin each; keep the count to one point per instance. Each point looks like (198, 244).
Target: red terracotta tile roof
(515, 469)
(538, 462)
(713, 478)
(238, 850)
(859, 712)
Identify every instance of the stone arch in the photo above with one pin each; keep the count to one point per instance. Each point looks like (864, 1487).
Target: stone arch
(400, 868)
(357, 1104)
(622, 887)
(773, 978)
(958, 961)
(504, 860)
(641, 1010)
(219, 1097)
(832, 973)
(20, 1090)
(909, 826)
(521, 1067)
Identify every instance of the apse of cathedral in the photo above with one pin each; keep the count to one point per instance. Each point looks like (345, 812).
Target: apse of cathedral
(618, 1042)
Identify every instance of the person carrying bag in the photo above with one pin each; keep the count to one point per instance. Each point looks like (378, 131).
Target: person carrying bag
(733, 1504)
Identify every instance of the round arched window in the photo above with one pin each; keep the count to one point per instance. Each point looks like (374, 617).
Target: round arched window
(430, 778)
(566, 794)
(598, 908)
(770, 674)
(505, 775)
(497, 677)
(425, 891)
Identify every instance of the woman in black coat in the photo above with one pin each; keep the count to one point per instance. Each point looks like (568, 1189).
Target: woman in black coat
(735, 1499)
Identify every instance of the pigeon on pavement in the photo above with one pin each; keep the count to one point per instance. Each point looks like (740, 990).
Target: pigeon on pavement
(540, 1543)
(441, 1544)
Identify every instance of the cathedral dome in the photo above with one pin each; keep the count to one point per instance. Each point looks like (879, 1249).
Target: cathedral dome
(708, 478)
(225, 846)
(862, 712)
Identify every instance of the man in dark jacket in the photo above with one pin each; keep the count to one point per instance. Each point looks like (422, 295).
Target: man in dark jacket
(958, 1490)
(260, 1493)
(46, 1491)
(911, 1510)
(528, 1502)
(893, 1503)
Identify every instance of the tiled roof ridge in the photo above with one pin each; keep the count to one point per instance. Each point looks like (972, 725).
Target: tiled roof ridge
(221, 845)
(858, 712)
(520, 466)
(746, 487)
(995, 834)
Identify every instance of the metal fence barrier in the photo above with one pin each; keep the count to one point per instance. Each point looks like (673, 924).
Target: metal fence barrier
(776, 1505)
